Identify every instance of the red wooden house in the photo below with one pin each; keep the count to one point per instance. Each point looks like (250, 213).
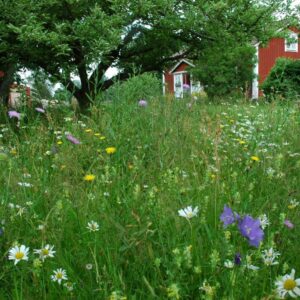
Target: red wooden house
(177, 78)
(267, 56)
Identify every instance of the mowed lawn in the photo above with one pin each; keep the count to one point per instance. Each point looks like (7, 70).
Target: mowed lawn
(98, 200)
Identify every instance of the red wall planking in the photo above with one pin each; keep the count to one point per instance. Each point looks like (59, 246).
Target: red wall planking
(268, 56)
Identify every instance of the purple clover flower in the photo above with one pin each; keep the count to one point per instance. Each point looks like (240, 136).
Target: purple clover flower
(288, 224)
(250, 229)
(72, 139)
(14, 114)
(228, 216)
(40, 110)
(143, 103)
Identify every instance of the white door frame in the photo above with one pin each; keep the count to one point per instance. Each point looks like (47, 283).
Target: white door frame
(175, 74)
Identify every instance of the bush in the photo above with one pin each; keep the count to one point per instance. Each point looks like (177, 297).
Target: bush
(144, 86)
(283, 80)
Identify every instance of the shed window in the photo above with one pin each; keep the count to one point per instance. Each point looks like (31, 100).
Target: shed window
(291, 43)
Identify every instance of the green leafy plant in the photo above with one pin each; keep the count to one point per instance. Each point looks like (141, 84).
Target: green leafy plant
(283, 80)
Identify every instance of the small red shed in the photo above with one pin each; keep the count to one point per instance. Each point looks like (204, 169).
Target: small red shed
(177, 80)
(267, 56)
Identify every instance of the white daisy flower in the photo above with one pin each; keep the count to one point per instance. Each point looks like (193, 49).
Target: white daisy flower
(269, 257)
(188, 212)
(93, 226)
(18, 253)
(59, 275)
(287, 284)
(45, 252)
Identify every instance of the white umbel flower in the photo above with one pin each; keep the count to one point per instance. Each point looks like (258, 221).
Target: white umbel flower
(264, 221)
(18, 253)
(228, 264)
(45, 252)
(288, 285)
(269, 257)
(188, 212)
(59, 275)
(93, 226)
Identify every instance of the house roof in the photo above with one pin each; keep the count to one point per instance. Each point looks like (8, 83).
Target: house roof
(179, 63)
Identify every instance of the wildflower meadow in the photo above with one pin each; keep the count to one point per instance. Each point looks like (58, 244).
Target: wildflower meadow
(150, 199)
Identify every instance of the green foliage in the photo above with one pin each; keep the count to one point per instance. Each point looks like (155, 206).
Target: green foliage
(283, 80)
(225, 70)
(145, 86)
(86, 38)
(41, 87)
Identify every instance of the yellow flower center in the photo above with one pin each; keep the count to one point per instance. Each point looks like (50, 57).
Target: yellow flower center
(289, 284)
(19, 255)
(59, 275)
(189, 214)
(45, 252)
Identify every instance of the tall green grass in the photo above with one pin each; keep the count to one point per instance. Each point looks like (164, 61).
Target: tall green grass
(168, 156)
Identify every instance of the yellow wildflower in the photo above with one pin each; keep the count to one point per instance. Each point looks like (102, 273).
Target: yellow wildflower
(102, 137)
(255, 158)
(97, 134)
(110, 150)
(89, 177)
(88, 130)
(59, 142)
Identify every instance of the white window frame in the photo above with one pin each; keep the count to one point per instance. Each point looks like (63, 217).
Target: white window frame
(292, 47)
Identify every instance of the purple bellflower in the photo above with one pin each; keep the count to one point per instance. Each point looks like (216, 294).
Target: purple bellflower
(250, 229)
(237, 259)
(228, 217)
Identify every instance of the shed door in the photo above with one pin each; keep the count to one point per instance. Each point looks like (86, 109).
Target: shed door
(178, 85)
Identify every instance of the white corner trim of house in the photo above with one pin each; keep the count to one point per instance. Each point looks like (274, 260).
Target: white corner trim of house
(255, 83)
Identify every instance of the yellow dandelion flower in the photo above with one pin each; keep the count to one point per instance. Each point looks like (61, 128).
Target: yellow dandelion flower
(110, 150)
(59, 142)
(102, 138)
(89, 177)
(88, 130)
(255, 158)
(97, 134)
(241, 142)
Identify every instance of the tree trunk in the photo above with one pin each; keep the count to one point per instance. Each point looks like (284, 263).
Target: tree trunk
(6, 82)
(83, 99)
